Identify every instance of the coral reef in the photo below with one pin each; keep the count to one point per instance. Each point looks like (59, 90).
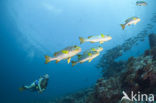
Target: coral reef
(108, 91)
(83, 96)
(114, 69)
(135, 74)
(139, 75)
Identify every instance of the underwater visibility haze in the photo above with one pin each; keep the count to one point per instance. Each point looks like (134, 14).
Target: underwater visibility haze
(31, 30)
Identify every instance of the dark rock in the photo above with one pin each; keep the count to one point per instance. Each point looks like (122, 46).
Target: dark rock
(138, 75)
(152, 40)
(153, 53)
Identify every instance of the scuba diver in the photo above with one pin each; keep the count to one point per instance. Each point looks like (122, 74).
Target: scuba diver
(38, 85)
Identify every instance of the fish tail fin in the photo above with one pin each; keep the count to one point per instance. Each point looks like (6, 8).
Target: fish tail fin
(47, 59)
(74, 63)
(82, 40)
(123, 26)
(21, 89)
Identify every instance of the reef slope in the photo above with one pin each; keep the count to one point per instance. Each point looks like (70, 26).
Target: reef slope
(137, 74)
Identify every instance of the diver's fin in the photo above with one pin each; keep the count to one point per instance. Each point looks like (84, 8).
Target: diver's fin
(21, 89)
(101, 42)
(65, 51)
(47, 59)
(74, 63)
(57, 61)
(82, 40)
(68, 60)
(123, 26)
(90, 60)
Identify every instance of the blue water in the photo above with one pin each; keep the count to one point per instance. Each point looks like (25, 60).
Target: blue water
(30, 29)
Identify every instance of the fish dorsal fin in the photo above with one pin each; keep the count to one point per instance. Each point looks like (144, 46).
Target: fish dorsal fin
(90, 37)
(89, 54)
(92, 41)
(68, 60)
(93, 49)
(128, 19)
(90, 60)
(79, 56)
(102, 35)
(65, 51)
(134, 18)
(55, 53)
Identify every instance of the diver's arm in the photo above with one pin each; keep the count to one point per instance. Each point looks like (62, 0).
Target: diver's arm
(39, 85)
(39, 88)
